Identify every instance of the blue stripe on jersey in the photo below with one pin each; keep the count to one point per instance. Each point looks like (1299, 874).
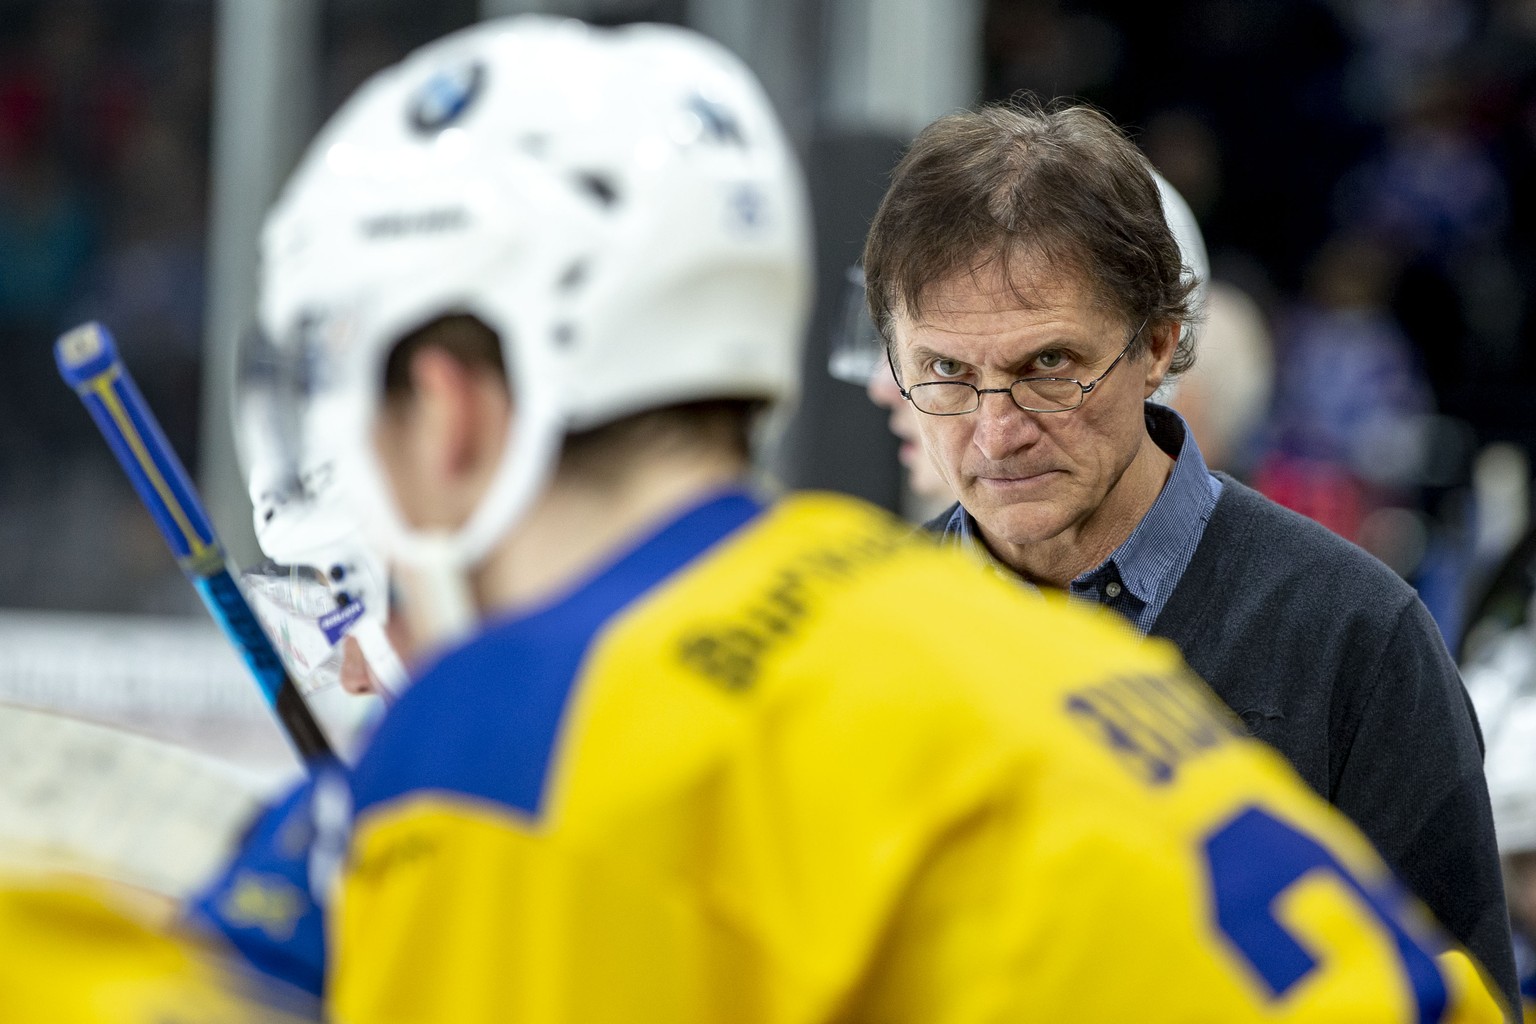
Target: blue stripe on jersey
(485, 719)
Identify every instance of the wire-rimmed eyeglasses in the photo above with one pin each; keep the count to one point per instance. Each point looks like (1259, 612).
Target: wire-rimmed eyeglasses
(1032, 394)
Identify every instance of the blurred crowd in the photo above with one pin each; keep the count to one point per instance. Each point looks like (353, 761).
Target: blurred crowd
(105, 129)
(103, 168)
(1353, 165)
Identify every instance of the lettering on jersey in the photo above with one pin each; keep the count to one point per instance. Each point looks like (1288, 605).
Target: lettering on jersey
(1255, 857)
(402, 852)
(1152, 724)
(268, 902)
(731, 652)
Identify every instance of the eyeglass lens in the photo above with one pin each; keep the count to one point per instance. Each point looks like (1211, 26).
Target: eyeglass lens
(945, 398)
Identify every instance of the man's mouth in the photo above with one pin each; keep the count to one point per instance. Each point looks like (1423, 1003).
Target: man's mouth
(1014, 479)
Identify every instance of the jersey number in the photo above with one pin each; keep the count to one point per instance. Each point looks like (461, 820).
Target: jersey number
(1253, 859)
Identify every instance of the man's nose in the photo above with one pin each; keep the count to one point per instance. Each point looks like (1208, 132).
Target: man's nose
(1002, 428)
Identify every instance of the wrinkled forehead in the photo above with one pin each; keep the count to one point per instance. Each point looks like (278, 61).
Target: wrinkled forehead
(1019, 280)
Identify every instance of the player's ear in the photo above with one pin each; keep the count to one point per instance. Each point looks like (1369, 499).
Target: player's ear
(464, 419)
(440, 435)
(438, 414)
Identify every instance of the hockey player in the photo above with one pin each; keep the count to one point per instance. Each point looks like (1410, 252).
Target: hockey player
(687, 752)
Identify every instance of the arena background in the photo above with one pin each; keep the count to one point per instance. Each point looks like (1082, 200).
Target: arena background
(1362, 170)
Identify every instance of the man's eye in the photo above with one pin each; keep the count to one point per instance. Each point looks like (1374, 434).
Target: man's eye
(948, 367)
(1050, 361)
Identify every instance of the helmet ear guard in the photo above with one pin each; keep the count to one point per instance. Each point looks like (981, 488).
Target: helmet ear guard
(619, 206)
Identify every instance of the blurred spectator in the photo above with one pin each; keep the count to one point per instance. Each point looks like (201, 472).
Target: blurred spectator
(47, 239)
(149, 284)
(47, 228)
(1397, 42)
(1349, 399)
(1434, 188)
(48, 233)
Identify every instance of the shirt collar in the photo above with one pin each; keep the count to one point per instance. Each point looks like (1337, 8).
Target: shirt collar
(1149, 562)
(1176, 520)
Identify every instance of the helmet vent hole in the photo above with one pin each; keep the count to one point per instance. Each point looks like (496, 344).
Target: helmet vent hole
(565, 335)
(599, 187)
(574, 277)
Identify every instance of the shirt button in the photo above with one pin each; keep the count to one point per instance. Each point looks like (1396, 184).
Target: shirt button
(1111, 589)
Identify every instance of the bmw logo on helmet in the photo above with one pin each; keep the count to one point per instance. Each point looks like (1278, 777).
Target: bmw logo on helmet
(445, 97)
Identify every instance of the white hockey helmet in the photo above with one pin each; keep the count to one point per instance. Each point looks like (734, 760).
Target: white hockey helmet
(619, 205)
(1186, 231)
(1501, 681)
(1197, 264)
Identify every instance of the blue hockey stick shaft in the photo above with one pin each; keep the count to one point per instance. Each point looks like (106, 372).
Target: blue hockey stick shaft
(89, 362)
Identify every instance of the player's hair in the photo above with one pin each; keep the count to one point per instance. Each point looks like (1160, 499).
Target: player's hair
(1061, 185)
(460, 335)
(601, 450)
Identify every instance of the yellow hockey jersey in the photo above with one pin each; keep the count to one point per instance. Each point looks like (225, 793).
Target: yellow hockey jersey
(794, 764)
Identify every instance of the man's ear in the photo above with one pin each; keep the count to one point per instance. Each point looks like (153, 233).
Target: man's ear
(1162, 343)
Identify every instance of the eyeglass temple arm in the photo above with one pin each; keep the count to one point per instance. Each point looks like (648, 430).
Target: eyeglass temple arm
(890, 360)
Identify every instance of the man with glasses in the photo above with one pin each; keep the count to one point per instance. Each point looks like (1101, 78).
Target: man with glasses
(858, 356)
(1032, 298)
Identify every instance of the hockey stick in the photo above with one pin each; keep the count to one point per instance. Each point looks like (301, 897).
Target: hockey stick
(89, 362)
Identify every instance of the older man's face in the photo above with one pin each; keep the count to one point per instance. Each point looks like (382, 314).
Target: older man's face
(1029, 478)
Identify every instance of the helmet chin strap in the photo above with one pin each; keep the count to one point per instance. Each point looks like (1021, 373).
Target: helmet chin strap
(383, 660)
(440, 605)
